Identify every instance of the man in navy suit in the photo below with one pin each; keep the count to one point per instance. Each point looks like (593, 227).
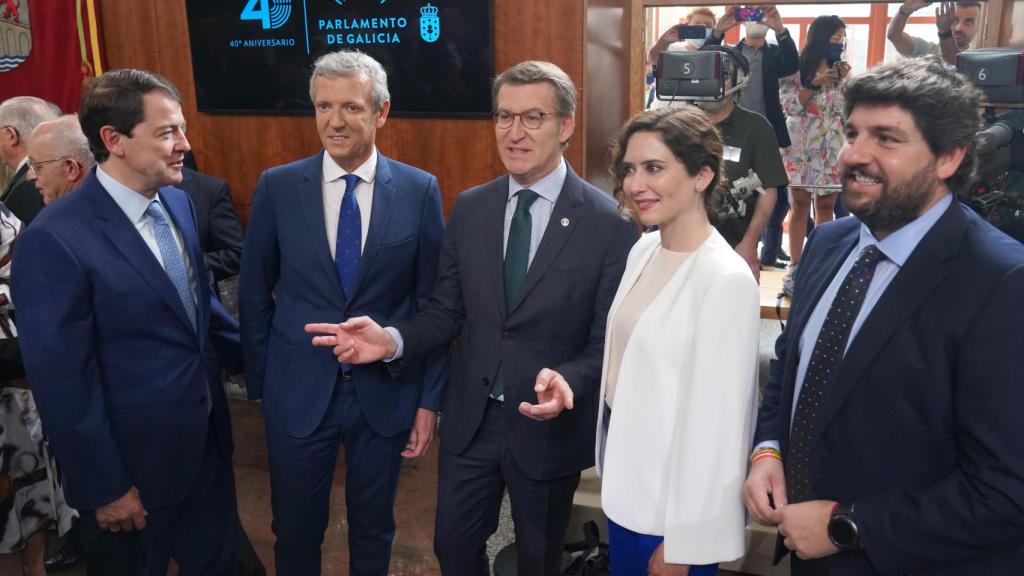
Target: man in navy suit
(220, 232)
(346, 232)
(529, 267)
(895, 400)
(121, 333)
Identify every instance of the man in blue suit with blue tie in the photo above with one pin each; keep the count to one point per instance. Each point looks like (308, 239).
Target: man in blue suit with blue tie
(346, 232)
(889, 441)
(121, 333)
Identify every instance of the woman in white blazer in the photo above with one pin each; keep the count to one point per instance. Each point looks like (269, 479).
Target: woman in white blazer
(679, 385)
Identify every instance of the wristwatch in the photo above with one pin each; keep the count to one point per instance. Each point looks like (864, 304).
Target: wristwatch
(843, 530)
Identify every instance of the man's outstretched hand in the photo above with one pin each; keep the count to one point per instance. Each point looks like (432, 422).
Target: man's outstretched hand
(356, 341)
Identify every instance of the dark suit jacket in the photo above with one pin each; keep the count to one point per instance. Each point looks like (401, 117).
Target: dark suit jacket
(921, 431)
(558, 321)
(119, 374)
(220, 233)
(779, 61)
(21, 197)
(288, 279)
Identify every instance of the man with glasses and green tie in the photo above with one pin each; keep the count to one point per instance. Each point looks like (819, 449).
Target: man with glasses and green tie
(59, 158)
(19, 116)
(529, 266)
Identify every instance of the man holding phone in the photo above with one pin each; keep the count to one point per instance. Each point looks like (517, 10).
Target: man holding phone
(768, 63)
(957, 24)
(689, 35)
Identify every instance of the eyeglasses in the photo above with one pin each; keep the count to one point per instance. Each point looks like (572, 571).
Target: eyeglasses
(34, 165)
(531, 119)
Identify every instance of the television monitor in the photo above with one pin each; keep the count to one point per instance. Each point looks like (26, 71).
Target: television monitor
(255, 56)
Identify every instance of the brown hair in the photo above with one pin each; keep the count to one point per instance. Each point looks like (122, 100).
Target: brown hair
(688, 133)
(702, 11)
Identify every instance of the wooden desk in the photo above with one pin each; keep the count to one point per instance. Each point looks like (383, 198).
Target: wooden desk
(771, 287)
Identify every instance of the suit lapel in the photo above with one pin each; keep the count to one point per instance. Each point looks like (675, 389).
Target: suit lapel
(127, 240)
(180, 211)
(19, 176)
(380, 214)
(492, 238)
(922, 273)
(836, 249)
(567, 209)
(311, 195)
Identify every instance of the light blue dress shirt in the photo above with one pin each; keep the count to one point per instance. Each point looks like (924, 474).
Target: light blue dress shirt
(134, 206)
(547, 188)
(897, 248)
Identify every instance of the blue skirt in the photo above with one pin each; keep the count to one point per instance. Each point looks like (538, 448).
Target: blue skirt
(629, 552)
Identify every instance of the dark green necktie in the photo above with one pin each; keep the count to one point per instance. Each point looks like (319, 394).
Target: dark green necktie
(517, 260)
(517, 251)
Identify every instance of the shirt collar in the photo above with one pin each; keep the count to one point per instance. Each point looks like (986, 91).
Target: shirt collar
(24, 160)
(548, 187)
(131, 202)
(366, 171)
(899, 245)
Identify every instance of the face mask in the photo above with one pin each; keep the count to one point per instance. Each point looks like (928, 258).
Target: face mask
(756, 29)
(835, 52)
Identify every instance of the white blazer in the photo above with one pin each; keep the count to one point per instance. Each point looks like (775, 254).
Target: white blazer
(673, 455)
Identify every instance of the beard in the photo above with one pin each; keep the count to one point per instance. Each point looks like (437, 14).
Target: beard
(897, 205)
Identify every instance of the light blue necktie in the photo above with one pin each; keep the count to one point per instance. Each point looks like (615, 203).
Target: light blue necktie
(349, 240)
(174, 263)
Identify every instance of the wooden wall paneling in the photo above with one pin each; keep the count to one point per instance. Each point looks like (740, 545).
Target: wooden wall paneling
(608, 52)
(543, 30)
(460, 152)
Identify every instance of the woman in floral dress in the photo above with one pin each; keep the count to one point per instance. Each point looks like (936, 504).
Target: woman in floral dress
(814, 105)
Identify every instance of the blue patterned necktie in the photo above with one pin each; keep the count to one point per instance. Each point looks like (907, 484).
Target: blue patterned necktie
(348, 247)
(174, 263)
(822, 370)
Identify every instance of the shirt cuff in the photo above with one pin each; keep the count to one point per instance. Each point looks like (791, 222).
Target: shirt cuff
(774, 444)
(400, 348)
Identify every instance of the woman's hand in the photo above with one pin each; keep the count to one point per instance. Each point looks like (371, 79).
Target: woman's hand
(825, 78)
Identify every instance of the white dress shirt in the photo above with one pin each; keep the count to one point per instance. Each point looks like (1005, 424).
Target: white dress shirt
(334, 191)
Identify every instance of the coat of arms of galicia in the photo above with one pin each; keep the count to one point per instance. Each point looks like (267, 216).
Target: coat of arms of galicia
(430, 24)
(15, 33)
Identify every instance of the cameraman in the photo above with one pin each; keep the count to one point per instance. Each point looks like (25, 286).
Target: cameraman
(750, 144)
(768, 63)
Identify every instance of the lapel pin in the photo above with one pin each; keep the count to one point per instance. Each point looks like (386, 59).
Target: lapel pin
(565, 222)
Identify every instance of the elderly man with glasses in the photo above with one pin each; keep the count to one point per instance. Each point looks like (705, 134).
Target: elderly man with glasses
(58, 157)
(19, 116)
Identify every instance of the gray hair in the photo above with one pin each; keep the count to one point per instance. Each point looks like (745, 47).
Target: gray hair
(353, 63)
(533, 72)
(943, 103)
(24, 113)
(66, 139)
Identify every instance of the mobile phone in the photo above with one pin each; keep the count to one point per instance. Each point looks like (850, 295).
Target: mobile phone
(687, 32)
(749, 14)
(837, 66)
